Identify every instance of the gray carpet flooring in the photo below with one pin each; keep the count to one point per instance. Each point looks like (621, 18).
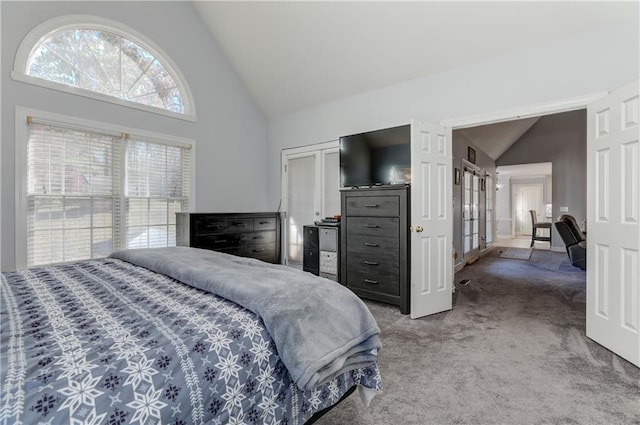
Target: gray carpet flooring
(512, 350)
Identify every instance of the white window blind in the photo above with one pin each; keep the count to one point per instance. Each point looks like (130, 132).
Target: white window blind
(90, 193)
(72, 194)
(157, 186)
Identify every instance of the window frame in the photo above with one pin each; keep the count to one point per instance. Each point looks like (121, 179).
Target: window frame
(21, 183)
(69, 22)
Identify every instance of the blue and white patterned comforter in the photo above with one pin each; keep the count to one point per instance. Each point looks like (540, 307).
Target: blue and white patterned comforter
(104, 341)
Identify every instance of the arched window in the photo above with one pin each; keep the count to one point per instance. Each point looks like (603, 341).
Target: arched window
(95, 57)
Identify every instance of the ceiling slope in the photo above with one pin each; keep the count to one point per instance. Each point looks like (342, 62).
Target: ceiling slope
(495, 139)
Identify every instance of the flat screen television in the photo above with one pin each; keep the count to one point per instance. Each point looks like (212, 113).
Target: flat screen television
(381, 157)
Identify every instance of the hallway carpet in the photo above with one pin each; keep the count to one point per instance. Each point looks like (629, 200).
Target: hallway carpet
(512, 350)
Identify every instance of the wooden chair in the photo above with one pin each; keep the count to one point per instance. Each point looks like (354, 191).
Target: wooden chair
(536, 226)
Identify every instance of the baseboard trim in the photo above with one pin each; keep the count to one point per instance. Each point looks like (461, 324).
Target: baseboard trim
(558, 249)
(459, 266)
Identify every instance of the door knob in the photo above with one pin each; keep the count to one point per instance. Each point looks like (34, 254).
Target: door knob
(419, 229)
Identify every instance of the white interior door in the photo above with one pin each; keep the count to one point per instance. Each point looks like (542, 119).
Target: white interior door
(527, 198)
(431, 219)
(330, 168)
(301, 202)
(613, 214)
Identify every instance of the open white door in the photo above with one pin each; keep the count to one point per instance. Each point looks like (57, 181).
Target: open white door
(613, 216)
(431, 219)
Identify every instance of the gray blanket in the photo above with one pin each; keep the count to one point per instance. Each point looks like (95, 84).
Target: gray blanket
(320, 328)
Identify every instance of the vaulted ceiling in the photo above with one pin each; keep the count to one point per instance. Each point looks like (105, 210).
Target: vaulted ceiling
(296, 55)
(495, 139)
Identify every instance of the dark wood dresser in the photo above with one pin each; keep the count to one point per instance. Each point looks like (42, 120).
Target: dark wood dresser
(375, 244)
(255, 235)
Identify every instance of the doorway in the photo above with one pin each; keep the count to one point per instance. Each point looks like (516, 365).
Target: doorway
(522, 188)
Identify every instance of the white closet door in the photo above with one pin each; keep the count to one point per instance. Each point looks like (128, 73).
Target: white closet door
(330, 182)
(301, 209)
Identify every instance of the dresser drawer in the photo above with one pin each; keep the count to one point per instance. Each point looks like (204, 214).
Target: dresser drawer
(373, 226)
(374, 245)
(383, 265)
(209, 225)
(378, 206)
(216, 242)
(258, 237)
(212, 225)
(267, 223)
(264, 251)
(239, 225)
(389, 285)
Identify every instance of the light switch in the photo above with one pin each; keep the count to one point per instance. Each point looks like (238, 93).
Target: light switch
(564, 209)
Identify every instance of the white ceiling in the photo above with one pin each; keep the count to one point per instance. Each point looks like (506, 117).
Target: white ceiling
(294, 55)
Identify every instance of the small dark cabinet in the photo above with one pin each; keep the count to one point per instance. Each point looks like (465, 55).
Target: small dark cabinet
(255, 235)
(321, 251)
(375, 244)
(311, 260)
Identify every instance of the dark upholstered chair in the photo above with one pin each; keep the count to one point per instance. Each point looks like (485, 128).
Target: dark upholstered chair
(574, 240)
(535, 226)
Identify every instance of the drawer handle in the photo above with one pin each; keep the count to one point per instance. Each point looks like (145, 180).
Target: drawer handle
(371, 263)
(371, 244)
(370, 281)
(258, 250)
(372, 206)
(263, 222)
(257, 237)
(239, 224)
(371, 226)
(220, 241)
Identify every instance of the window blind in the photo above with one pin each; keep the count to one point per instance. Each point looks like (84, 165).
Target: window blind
(72, 194)
(90, 193)
(157, 186)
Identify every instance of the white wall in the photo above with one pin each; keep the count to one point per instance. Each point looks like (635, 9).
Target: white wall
(599, 60)
(230, 133)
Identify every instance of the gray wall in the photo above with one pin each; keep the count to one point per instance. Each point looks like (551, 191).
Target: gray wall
(486, 164)
(562, 140)
(548, 72)
(230, 133)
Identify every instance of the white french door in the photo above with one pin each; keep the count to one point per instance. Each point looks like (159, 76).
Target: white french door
(490, 192)
(310, 191)
(431, 219)
(471, 213)
(613, 217)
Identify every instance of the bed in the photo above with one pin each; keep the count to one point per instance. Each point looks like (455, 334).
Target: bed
(180, 336)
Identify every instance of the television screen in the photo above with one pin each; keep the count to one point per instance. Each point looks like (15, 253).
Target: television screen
(381, 157)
